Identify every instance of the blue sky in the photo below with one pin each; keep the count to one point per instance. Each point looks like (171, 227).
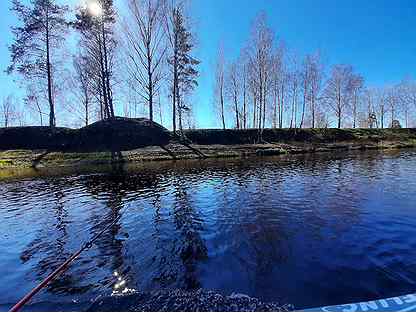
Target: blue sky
(377, 37)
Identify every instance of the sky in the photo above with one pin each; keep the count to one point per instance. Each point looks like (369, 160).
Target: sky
(377, 37)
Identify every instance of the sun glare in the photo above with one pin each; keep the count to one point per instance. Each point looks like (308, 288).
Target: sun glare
(94, 8)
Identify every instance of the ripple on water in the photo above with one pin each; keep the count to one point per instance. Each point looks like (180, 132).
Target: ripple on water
(310, 230)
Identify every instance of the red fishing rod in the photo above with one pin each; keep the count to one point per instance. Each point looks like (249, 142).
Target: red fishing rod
(61, 269)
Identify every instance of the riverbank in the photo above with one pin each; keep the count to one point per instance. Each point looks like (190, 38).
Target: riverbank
(213, 144)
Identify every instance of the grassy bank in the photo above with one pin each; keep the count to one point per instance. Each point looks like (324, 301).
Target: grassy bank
(207, 143)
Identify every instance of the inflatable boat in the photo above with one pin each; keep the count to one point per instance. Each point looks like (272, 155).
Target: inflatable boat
(396, 304)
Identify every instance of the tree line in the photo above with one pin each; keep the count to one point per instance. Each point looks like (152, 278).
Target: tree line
(96, 61)
(270, 86)
(143, 55)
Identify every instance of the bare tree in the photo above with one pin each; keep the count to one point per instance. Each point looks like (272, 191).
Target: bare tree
(233, 91)
(294, 83)
(317, 72)
(279, 82)
(8, 110)
(357, 85)
(407, 96)
(306, 74)
(34, 100)
(244, 88)
(81, 86)
(377, 104)
(95, 22)
(321, 119)
(260, 51)
(146, 47)
(219, 86)
(393, 102)
(338, 91)
(254, 93)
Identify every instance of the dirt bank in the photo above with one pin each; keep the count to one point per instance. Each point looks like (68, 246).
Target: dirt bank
(128, 142)
(118, 134)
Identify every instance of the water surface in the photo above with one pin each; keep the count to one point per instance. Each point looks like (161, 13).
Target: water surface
(309, 230)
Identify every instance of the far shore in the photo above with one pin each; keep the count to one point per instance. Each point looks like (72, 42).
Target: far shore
(209, 143)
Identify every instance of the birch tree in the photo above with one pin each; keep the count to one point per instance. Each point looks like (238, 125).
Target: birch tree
(407, 97)
(294, 85)
(379, 100)
(306, 86)
(280, 79)
(260, 51)
(8, 110)
(81, 86)
(219, 86)
(338, 91)
(233, 91)
(357, 84)
(146, 47)
(317, 73)
(393, 102)
(244, 88)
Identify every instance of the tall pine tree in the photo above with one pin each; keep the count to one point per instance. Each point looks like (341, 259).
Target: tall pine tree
(42, 30)
(182, 63)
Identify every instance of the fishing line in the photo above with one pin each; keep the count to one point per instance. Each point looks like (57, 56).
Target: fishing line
(63, 267)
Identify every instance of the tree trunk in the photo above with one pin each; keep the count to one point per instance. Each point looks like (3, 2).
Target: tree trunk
(174, 106)
(86, 110)
(382, 118)
(222, 105)
(282, 105)
(274, 112)
(52, 119)
(175, 85)
(304, 105)
(107, 75)
(103, 80)
(313, 109)
(254, 110)
(236, 112)
(339, 120)
(180, 112)
(264, 111)
(150, 81)
(244, 101)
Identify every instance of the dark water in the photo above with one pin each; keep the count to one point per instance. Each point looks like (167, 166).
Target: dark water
(311, 231)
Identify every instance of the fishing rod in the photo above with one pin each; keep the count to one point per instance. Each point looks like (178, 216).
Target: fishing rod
(64, 266)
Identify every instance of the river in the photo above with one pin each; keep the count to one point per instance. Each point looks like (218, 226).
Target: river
(308, 230)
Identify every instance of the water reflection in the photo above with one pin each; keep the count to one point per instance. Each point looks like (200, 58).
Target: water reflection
(311, 230)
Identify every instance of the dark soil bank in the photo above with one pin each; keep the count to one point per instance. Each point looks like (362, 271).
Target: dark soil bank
(137, 140)
(118, 134)
(125, 134)
(251, 136)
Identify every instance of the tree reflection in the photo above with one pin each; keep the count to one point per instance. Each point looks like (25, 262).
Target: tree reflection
(116, 188)
(55, 242)
(178, 257)
(52, 243)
